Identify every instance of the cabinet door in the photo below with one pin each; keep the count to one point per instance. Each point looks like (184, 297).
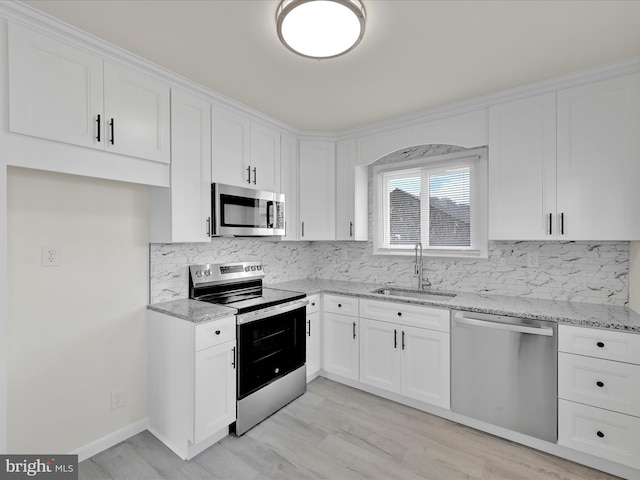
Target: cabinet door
(289, 184)
(265, 158)
(522, 169)
(190, 168)
(55, 89)
(598, 168)
(345, 189)
(380, 354)
(137, 113)
(317, 190)
(425, 366)
(215, 390)
(313, 344)
(352, 190)
(230, 147)
(341, 345)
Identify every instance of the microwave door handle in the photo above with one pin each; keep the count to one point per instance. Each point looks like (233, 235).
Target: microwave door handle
(269, 214)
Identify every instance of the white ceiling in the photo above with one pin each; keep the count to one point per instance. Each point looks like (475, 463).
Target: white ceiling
(415, 54)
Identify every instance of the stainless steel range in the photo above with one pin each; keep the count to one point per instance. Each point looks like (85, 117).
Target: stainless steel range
(270, 336)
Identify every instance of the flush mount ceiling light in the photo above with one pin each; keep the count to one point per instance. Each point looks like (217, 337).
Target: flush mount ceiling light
(320, 28)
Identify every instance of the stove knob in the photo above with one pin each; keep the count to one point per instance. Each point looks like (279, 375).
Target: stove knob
(207, 272)
(253, 268)
(198, 273)
(259, 267)
(246, 269)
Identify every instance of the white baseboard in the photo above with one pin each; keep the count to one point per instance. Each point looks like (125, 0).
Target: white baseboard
(110, 440)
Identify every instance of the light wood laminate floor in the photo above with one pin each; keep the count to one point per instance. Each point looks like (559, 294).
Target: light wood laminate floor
(337, 432)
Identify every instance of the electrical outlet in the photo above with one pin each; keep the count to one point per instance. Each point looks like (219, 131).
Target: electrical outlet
(50, 256)
(117, 399)
(533, 260)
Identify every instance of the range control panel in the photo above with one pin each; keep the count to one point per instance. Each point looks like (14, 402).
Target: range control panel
(212, 273)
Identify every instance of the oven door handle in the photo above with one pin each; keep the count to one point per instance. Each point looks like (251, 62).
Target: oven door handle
(270, 312)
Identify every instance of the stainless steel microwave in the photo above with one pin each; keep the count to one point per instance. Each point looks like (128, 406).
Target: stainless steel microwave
(245, 212)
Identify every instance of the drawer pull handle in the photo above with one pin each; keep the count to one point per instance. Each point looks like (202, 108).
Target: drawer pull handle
(600, 344)
(395, 338)
(339, 305)
(399, 314)
(600, 384)
(600, 434)
(313, 304)
(354, 330)
(217, 332)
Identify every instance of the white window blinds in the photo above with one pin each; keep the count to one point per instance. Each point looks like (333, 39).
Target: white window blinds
(439, 203)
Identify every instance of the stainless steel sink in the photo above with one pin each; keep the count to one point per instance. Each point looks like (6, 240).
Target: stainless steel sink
(419, 294)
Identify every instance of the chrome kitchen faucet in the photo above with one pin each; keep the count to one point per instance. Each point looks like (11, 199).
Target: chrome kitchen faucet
(419, 269)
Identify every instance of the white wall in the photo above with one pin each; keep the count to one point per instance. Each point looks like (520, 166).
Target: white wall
(77, 331)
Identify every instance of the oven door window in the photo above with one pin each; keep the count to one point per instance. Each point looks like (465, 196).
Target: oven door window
(244, 212)
(269, 349)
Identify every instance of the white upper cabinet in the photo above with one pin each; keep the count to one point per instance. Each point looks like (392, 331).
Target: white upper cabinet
(564, 165)
(245, 153)
(317, 190)
(289, 184)
(182, 213)
(137, 114)
(56, 90)
(61, 92)
(352, 217)
(522, 169)
(598, 165)
(265, 157)
(230, 147)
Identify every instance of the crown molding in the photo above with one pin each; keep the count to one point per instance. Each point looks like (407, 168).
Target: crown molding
(574, 79)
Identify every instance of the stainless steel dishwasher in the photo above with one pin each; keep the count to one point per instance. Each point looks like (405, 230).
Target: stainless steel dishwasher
(504, 372)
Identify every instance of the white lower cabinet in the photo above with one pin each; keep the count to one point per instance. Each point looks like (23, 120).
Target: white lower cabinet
(192, 382)
(600, 432)
(599, 395)
(405, 359)
(313, 337)
(425, 366)
(379, 355)
(215, 390)
(341, 345)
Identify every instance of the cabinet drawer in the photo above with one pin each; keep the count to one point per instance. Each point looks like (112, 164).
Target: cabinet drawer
(406, 314)
(314, 304)
(341, 305)
(600, 383)
(607, 344)
(215, 332)
(603, 433)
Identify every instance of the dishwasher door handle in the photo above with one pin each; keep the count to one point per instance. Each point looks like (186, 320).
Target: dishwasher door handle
(546, 331)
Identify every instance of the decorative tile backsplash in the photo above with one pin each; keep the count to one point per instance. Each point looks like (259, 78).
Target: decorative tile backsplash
(592, 272)
(169, 262)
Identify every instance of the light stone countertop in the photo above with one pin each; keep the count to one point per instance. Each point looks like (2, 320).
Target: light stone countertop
(571, 313)
(193, 310)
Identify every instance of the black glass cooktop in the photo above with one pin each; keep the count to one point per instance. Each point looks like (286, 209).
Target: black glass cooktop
(248, 301)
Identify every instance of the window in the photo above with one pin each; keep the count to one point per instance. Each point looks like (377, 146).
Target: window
(439, 201)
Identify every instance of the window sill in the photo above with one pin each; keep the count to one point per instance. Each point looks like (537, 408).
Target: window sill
(428, 253)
